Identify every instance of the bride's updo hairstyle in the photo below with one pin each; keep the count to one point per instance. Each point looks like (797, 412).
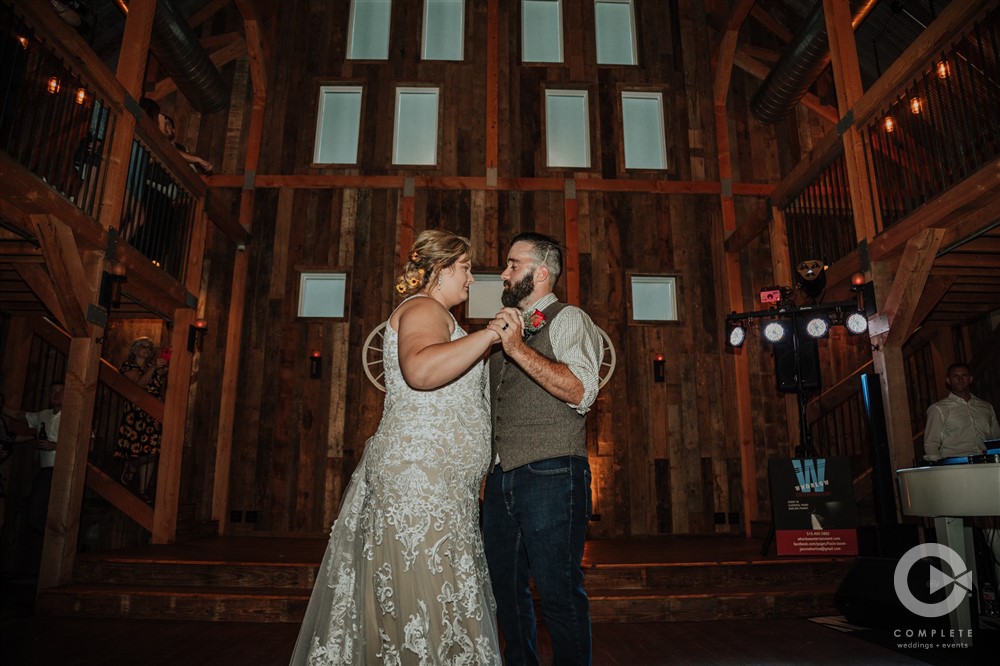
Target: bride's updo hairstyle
(432, 251)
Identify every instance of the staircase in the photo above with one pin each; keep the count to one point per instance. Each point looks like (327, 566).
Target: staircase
(250, 582)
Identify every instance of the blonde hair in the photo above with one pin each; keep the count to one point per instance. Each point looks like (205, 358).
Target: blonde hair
(432, 251)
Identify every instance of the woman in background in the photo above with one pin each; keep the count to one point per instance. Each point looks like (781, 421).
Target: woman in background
(139, 433)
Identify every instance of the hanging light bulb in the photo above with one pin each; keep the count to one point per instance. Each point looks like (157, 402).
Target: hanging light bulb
(53, 85)
(942, 69)
(915, 106)
(890, 125)
(23, 41)
(81, 95)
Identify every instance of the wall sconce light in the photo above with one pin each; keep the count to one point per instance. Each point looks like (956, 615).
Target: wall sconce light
(53, 85)
(23, 41)
(659, 369)
(890, 125)
(81, 95)
(315, 364)
(196, 334)
(916, 106)
(942, 69)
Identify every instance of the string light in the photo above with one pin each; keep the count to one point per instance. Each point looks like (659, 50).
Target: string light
(942, 69)
(23, 41)
(53, 85)
(915, 106)
(81, 95)
(890, 125)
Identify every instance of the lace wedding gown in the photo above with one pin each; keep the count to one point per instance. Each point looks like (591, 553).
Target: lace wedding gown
(404, 577)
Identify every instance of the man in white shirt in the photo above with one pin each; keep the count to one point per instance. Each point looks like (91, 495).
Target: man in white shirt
(959, 424)
(45, 422)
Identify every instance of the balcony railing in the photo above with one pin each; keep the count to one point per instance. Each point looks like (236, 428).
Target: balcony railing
(60, 127)
(933, 133)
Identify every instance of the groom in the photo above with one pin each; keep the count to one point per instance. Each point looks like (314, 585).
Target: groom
(537, 498)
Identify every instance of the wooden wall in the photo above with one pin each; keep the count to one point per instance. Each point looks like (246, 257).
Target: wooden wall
(664, 461)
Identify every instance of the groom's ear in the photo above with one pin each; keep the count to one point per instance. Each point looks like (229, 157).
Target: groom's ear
(541, 274)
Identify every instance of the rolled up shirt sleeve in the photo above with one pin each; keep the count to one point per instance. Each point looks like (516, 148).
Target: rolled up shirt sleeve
(577, 343)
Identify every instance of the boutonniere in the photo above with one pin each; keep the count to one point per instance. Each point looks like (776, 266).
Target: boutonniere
(533, 321)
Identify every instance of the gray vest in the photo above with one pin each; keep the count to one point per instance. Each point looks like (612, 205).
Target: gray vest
(528, 423)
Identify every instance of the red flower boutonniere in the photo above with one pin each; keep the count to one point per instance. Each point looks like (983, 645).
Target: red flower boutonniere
(533, 321)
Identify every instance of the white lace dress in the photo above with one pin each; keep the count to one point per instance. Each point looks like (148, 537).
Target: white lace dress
(404, 577)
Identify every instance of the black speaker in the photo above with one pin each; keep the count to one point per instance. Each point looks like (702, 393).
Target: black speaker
(867, 595)
(784, 366)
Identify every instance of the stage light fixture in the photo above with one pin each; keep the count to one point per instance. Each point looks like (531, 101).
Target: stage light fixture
(856, 323)
(775, 331)
(736, 335)
(812, 277)
(818, 327)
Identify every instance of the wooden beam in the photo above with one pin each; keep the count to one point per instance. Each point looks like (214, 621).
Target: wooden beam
(65, 268)
(750, 229)
(571, 213)
(931, 295)
(220, 58)
(492, 90)
(910, 278)
(120, 497)
(38, 279)
(257, 47)
(836, 394)
(757, 69)
(207, 12)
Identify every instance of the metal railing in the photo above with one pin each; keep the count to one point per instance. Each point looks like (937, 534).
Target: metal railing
(58, 126)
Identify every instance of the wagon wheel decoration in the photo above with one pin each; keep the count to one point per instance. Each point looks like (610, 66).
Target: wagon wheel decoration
(371, 357)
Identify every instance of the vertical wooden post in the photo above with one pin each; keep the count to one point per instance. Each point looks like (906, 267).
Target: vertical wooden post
(492, 91)
(781, 269)
(571, 262)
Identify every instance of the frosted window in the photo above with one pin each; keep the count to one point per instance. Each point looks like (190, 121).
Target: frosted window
(338, 125)
(444, 29)
(615, 32)
(369, 35)
(322, 294)
(642, 124)
(567, 129)
(484, 297)
(414, 140)
(654, 298)
(541, 31)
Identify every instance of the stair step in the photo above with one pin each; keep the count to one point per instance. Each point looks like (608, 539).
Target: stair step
(716, 575)
(189, 573)
(223, 604)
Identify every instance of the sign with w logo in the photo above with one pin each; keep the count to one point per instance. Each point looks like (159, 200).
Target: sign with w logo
(811, 474)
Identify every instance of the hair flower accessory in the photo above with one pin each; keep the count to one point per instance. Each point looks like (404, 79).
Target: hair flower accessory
(533, 321)
(414, 256)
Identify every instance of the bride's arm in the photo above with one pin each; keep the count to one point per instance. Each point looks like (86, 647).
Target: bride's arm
(427, 356)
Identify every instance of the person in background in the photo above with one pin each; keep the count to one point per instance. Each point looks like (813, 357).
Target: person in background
(139, 433)
(46, 426)
(170, 131)
(959, 424)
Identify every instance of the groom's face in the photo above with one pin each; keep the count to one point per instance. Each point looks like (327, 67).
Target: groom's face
(519, 276)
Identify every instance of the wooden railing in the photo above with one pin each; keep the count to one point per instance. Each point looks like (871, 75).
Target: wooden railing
(104, 475)
(934, 127)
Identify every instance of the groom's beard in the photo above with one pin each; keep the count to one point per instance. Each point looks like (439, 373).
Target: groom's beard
(514, 294)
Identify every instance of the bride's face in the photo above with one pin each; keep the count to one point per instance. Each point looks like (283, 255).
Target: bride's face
(455, 281)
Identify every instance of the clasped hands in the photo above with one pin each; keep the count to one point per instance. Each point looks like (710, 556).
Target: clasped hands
(509, 327)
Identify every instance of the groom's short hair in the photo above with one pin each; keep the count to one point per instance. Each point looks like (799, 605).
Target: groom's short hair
(546, 250)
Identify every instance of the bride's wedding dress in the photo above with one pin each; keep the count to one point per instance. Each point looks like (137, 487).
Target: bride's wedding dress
(404, 577)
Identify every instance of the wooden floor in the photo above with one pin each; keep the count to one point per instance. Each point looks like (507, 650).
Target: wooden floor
(31, 639)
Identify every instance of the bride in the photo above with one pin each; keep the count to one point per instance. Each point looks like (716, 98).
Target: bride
(404, 578)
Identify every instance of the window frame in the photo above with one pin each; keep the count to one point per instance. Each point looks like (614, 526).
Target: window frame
(422, 90)
(350, 34)
(317, 139)
(633, 35)
(313, 272)
(568, 92)
(640, 94)
(676, 281)
(560, 35)
(423, 34)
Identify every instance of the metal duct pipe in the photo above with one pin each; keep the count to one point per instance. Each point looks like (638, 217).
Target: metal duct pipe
(182, 59)
(806, 57)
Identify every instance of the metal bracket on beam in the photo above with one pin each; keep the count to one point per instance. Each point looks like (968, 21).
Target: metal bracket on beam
(190, 300)
(491, 177)
(727, 187)
(570, 189)
(845, 123)
(249, 176)
(409, 187)
(132, 106)
(97, 315)
(111, 244)
(864, 256)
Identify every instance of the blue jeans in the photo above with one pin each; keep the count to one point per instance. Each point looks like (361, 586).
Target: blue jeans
(534, 525)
